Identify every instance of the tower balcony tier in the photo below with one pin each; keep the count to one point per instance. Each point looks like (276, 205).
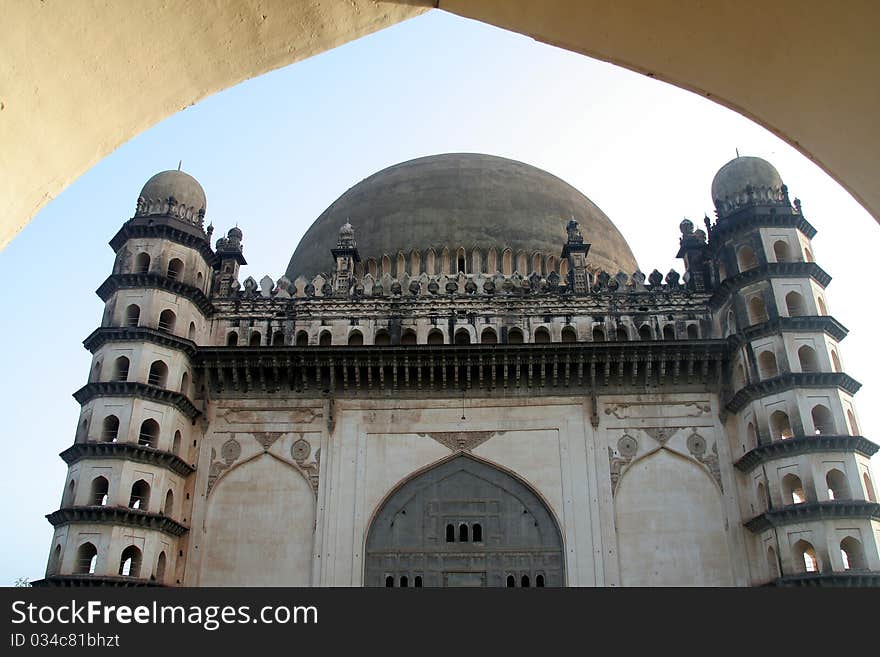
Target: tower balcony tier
(116, 282)
(750, 217)
(806, 324)
(804, 445)
(128, 452)
(790, 381)
(771, 270)
(139, 390)
(99, 337)
(812, 512)
(184, 235)
(117, 515)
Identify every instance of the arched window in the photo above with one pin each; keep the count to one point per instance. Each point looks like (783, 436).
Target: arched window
(838, 488)
(621, 335)
(542, 335)
(869, 488)
(130, 562)
(772, 563)
(184, 384)
(539, 581)
(693, 332)
(757, 310)
(767, 364)
(823, 310)
(524, 582)
(598, 334)
(478, 533)
(168, 507)
(175, 268)
(835, 361)
(731, 323)
(418, 582)
(536, 263)
(140, 495)
(408, 337)
(132, 315)
(851, 420)
(167, 319)
(462, 336)
(158, 374)
(739, 379)
(823, 421)
(191, 333)
(462, 264)
(780, 426)
(68, 497)
(762, 498)
(808, 255)
(110, 429)
(805, 557)
(325, 340)
(386, 265)
(149, 433)
(852, 554)
(142, 263)
(463, 533)
(669, 332)
(507, 262)
(404, 581)
(745, 258)
(278, 339)
(255, 340)
(794, 302)
(389, 582)
(55, 561)
(100, 489)
(175, 445)
(86, 559)
(450, 533)
(807, 358)
(355, 339)
(160, 567)
(569, 334)
(511, 582)
(232, 339)
(489, 336)
(382, 338)
(793, 489)
(199, 280)
(782, 251)
(372, 268)
(515, 336)
(120, 369)
(435, 336)
(645, 332)
(302, 339)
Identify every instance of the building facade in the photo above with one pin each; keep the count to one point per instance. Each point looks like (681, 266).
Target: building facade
(464, 379)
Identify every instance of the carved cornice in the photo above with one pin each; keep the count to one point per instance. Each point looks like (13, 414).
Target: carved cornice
(790, 381)
(140, 390)
(766, 272)
(116, 282)
(185, 236)
(810, 323)
(747, 218)
(812, 512)
(117, 515)
(850, 578)
(93, 580)
(129, 452)
(457, 367)
(804, 445)
(103, 335)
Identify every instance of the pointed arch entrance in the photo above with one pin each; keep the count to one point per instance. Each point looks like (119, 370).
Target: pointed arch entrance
(464, 523)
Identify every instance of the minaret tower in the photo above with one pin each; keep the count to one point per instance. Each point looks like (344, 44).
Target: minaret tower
(124, 513)
(806, 491)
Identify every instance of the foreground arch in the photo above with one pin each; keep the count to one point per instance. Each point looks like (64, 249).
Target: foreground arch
(126, 66)
(463, 523)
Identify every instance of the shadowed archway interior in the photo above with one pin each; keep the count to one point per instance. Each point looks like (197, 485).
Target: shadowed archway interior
(464, 523)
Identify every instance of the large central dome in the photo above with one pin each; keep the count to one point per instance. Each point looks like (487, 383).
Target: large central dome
(461, 200)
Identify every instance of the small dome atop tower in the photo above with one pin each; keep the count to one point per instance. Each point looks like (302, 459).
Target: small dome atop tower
(746, 179)
(188, 196)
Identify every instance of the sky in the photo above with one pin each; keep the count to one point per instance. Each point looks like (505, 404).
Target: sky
(273, 152)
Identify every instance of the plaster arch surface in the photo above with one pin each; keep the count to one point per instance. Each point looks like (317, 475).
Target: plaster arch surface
(670, 535)
(259, 527)
(133, 64)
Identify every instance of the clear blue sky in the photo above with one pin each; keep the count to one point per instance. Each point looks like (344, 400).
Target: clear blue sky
(274, 152)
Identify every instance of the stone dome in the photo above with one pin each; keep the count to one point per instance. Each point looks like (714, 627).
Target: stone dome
(185, 189)
(461, 200)
(742, 172)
